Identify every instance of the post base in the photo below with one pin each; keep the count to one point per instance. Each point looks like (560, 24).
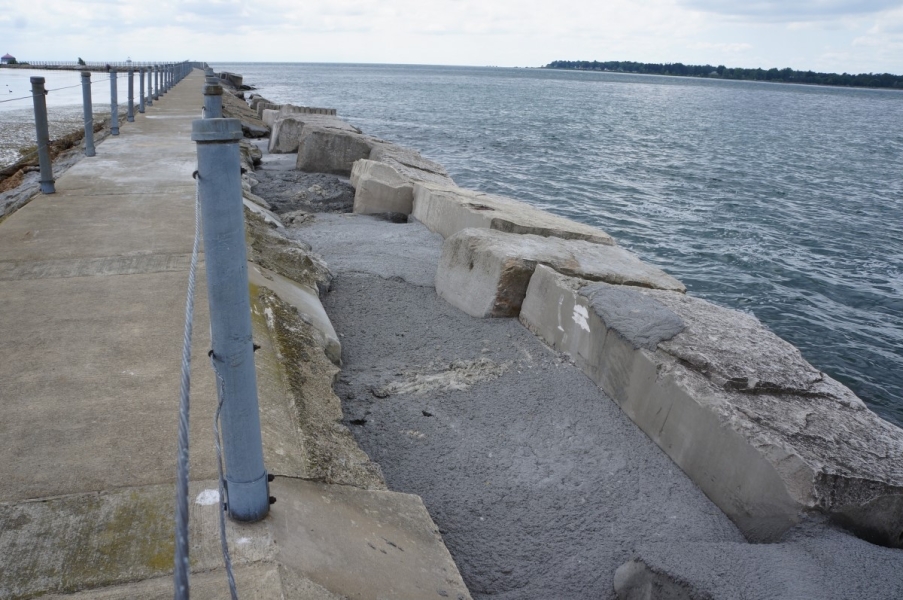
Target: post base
(248, 501)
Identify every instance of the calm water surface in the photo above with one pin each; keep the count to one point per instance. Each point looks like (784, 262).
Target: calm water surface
(780, 200)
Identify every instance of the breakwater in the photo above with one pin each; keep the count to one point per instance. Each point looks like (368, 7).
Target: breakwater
(742, 190)
(772, 441)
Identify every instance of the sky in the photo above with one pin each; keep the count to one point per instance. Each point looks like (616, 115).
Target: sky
(823, 35)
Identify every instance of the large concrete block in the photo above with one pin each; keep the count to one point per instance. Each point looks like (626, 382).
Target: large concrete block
(262, 106)
(287, 130)
(379, 188)
(485, 273)
(269, 116)
(255, 100)
(410, 164)
(331, 150)
(447, 210)
(763, 433)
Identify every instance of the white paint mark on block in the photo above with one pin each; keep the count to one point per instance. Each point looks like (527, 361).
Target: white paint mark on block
(580, 317)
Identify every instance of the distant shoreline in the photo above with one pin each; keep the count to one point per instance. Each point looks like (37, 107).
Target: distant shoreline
(862, 80)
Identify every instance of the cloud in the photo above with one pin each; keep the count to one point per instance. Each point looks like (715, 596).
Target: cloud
(723, 47)
(817, 34)
(791, 10)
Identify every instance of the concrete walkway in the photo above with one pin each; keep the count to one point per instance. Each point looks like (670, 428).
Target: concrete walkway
(92, 285)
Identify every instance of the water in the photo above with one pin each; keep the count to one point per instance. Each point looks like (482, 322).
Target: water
(780, 200)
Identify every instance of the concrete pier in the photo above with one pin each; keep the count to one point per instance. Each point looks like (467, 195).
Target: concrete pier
(93, 291)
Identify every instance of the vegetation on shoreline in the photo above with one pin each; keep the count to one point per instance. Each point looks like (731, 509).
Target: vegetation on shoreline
(871, 80)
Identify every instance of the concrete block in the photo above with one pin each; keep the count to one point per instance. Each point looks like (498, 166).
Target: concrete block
(410, 164)
(269, 116)
(485, 273)
(262, 106)
(287, 130)
(362, 543)
(330, 150)
(255, 100)
(379, 188)
(763, 433)
(447, 210)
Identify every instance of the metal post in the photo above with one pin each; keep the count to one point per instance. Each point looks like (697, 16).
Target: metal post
(150, 86)
(225, 255)
(114, 104)
(141, 90)
(130, 116)
(156, 82)
(89, 113)
(43, 135)
(213, 101)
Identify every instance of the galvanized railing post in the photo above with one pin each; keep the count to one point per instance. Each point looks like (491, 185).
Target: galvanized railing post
(43, 135)
(150, 85)
(141, 90)
(130, 116)
(114, 103)
(88, 110)
(225, 255)
(213, 101)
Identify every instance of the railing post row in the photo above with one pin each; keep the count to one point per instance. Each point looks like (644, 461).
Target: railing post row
(88, 110)
(43, 135)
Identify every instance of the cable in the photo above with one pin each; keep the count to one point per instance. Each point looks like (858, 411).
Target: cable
(14, 99)
(182, 565)
(69, 87)
(227, 560)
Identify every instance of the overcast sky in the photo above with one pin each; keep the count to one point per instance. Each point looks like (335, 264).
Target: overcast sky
(824, 35)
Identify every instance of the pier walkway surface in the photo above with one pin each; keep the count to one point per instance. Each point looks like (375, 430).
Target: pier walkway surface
(92, 285)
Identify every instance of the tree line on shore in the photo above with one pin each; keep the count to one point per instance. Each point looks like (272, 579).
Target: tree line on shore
(872, 80)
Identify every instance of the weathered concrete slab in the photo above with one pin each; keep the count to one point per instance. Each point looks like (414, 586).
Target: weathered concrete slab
(260, 581)
(447, 210)
(269, 117)
(485, 273)
(256, 99)
(379, 188)
(410, 164)
(89, 386)
(65, 225)
(331, 150)
(362, 544)
(76, 542)
(262, 106)
(306, 301)
(765, 435)
(289, 109)
(269, 217)
(298, 403)
(287, 129)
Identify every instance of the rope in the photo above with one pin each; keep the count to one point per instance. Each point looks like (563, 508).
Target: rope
(227, 559)
(182, 566)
